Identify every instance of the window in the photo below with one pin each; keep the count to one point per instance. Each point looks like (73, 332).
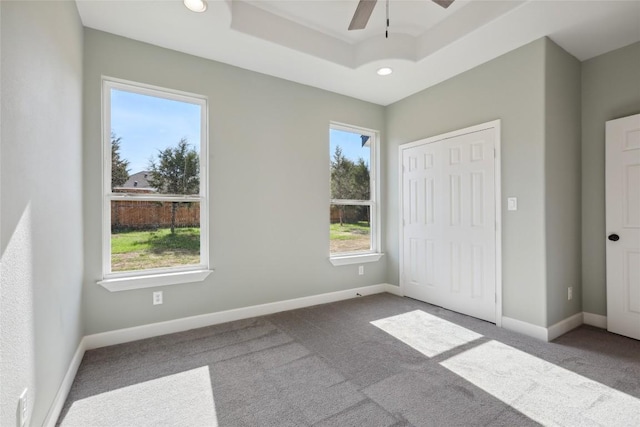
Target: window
(353, 211)
(155, 186)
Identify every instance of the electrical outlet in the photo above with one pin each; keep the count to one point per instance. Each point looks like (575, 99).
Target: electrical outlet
(361, 270)
(157, 297)
(23, 408)
(569, 293)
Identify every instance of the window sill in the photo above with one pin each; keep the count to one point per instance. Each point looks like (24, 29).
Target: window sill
(153, 280)
(355, 259)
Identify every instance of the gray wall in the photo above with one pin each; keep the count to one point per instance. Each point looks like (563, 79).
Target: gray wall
(610, 90)
(562, 182)
(41, 199)
(510, 88)
(269, 185)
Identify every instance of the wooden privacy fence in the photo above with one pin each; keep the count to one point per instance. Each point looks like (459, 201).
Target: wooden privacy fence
(350, 214)
(144, 215)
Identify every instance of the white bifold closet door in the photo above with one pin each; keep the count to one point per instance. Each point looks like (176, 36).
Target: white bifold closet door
(449, 223)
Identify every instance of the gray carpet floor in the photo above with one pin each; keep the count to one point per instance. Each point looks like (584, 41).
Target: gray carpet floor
(380, 360)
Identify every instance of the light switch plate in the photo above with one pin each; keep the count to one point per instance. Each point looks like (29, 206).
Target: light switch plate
(512, 203)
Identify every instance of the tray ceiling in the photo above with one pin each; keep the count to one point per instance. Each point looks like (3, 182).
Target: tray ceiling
(307, 41)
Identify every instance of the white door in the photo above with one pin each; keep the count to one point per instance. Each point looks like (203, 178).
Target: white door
(449, 222)
(623, 226)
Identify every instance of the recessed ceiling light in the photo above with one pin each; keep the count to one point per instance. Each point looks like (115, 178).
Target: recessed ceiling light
(195, 5)
(384, 71)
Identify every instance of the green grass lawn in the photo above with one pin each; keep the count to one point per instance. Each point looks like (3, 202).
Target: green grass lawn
(141, 250)
(348, 231)
(349, 237)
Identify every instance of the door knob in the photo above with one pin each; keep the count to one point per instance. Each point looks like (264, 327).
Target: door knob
(613, 237)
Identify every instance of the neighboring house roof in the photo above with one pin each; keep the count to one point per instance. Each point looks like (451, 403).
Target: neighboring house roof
(138, 181)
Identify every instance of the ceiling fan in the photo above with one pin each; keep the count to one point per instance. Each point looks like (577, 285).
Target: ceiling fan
(365, 8)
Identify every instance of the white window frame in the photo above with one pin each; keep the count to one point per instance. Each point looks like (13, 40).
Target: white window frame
(126, 280)
(374, 254)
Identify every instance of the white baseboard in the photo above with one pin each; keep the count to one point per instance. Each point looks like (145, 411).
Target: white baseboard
(525, 328)
(546, 334)
(597, 320)
(393, 289)
(65, 387)
(564, 326)
(184, 324)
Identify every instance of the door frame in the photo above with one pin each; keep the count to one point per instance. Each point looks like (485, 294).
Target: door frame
(496, 125)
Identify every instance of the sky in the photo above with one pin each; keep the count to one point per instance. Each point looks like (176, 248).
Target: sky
(148, 124)
(351, 145)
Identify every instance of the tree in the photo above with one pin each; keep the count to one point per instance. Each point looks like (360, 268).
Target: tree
(341, 179)
(341, 176)
(361, 180)
(119, 171)
(361, 187)
(177, 171)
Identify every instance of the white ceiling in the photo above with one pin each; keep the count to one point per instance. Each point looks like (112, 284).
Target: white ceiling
(307, 41)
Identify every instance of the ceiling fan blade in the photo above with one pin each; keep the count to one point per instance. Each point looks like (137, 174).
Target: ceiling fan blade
(443, 3)
(362, 14)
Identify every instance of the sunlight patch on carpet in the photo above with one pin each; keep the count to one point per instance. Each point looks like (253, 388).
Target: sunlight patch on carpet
(426, 333)
(544, 392)
(183, 399)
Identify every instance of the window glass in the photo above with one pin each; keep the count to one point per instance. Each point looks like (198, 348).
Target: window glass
(154, 192)
(141, 236)
(350, 229)
(159, 141)
(352, 206)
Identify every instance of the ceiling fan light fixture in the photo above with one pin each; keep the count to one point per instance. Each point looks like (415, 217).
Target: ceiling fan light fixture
(384, 71)
(195, 5)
